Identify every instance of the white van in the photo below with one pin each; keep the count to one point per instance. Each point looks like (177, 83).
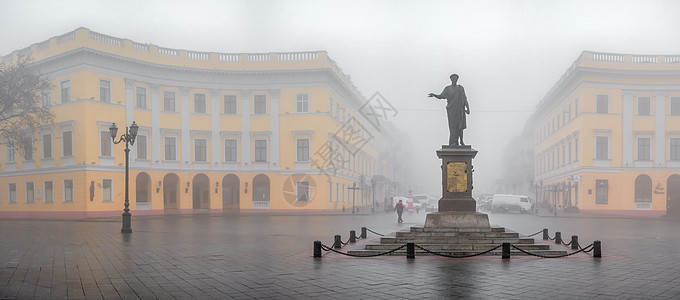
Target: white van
(505, 202)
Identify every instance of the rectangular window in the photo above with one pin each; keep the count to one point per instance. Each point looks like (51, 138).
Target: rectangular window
(10, 151)
(104, 90)
(343, 192)
(302, 103)
(199, 103)
(303, 191)
(602, 104)
(28, 148)
(644, 106)
(65, 91)
(260, 150)
(303, 150)
(602, 191)
(643, 149)
(47, 146)
(575, 108)
(337, 192)
(46, 98)
(12, 197)
(168, 101)
(30, 193)
(564, 155)
(230, 150)
(141, 97)
(675, 106)
(602, 147)
(330, 108)
(675, 149)
(67, 143)
(569, 157)
(107, 190)
(49, 192)
(170, 148)
(260, 105)
(230, 104)
(330, 191)
(141, 145)
(200, 150)
(575, 149)
(68, 190)
(105, 143)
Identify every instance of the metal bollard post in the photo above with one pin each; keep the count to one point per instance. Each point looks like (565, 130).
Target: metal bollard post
(506, 251)
(597, 249)
(338, 242)
(545, 234)
(352, 236)
(363, 232)
(558, 237)
(574, 242)
(317, 249)
(410, 250)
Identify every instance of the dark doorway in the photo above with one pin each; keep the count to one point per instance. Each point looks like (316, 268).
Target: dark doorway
(143, 191)
(201, 192)
(170, 194)
(673, 195)
(230, 192)
(261, 192)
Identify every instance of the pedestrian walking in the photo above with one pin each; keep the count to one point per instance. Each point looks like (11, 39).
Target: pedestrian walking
(399, 208)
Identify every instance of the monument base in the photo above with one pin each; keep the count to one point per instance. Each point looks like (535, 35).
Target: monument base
(453, 219)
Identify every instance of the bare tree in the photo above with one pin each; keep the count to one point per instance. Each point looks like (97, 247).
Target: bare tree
(24, 103)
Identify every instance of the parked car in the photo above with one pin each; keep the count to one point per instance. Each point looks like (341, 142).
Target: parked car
(485, 204)
(505, 202)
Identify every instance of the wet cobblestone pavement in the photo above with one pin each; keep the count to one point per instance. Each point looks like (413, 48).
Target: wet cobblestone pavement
(270, 257)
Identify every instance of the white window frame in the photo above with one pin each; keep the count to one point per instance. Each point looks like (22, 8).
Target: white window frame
(227, 98)
(637, 148)
(64, 199)
(51, 198)
(65, 84)
(108, 139)
(608, 147)
(302, 102)
(32, 195)
(11, 151)
(11, 199)
(28, 148)
(174, 95)
(165, 152)
(670, 149)
(63, 145)
(205, 150)
(110, 191)
(145, 151)
(45, 142)
(649, 105)
(205, 103)
(255, 150)
(257, 97)
(235, 151)
(676, 100)
(146, 97)
(297, 149)
(105, 93)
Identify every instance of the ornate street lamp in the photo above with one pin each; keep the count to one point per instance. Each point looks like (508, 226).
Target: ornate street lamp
(129, 138)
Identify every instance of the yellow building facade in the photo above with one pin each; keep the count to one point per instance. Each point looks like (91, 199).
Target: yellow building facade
(607, 136)
(258, 132)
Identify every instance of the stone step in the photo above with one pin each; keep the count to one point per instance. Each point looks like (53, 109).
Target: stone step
(457, 234)
(437, 247)
(498, 252)
(454, 240)
(448, 229)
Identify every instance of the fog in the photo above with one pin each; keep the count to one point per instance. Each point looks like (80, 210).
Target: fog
(507, 53)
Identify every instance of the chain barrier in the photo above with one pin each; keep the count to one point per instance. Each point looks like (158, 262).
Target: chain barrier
(324, 247)
(457, 256)
(566, 244)
(345, 243)
(546, 256)
(375, 232)
(535, 233)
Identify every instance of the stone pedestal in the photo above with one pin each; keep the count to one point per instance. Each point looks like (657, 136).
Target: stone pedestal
(457, 208)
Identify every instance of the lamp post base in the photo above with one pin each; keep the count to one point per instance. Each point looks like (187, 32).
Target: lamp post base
(127, 228)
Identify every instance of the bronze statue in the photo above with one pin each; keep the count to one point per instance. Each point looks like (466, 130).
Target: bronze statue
(456, 108)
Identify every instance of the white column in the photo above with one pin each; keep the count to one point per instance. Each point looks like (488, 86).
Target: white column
(274, 128)
(155, 126)
(185, 114)
(660, 130)
(130, 111)
(627, 134)
(215, 128)
(245, 130)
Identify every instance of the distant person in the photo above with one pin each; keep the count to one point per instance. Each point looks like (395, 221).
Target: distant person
(456, 108)
(399, 208)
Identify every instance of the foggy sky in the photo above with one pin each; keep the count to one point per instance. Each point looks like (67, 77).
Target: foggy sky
(508, 53)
